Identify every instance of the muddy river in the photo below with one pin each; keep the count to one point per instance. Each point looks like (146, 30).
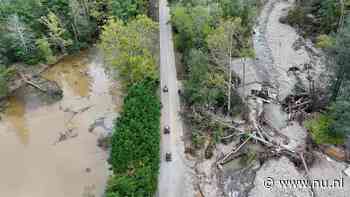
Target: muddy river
(49, 149)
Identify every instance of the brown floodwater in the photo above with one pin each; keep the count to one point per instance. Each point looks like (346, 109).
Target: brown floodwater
(36, 160)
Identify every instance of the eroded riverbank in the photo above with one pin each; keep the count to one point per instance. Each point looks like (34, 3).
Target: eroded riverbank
(50, 149)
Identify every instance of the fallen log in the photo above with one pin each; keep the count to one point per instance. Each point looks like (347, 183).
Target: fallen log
(200, 190)
(307, 173)
(301, 104)
(24, 78)
(222, 161)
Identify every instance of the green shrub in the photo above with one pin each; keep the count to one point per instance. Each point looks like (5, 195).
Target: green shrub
(315, 17)
(45, 50)
(135, 143)
(5, 74)
(324, 41)
(321, 132)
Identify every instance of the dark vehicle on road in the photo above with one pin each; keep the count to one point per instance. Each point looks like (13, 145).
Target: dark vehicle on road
(165, 89)
(168, 157)
(166, 130)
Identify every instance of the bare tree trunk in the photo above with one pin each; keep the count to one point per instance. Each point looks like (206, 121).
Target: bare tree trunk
(243, 78)
(230, 82)
(337, 84)
(86, 7)
(153, 9)
(75, 32)
(341, 19)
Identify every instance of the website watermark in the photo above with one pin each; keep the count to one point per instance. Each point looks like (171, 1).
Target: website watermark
(270, 182)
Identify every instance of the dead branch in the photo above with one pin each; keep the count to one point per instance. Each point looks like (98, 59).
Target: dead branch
(230, 136)
(307, 173)
(66, 135)
(24, 78)
(234, 151)
(301, 104)
(200, 190)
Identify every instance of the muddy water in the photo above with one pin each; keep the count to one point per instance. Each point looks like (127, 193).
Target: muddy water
(36, 161)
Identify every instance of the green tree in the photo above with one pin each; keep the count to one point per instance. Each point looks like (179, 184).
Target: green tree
(339, 54)
(131, 48)
(56, 31)
(244, 9)
(195, 90)
(192, 25)
(5, 74)
(45, 50)
(340, 114)
(125, 9)
(330, 13)
(22, 38)
(226, 42)
(135, 143)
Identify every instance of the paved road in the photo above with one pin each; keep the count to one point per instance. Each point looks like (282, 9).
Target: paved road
(174, 178)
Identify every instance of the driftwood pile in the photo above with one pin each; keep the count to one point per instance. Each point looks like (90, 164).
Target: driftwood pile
(297, 106)
(262, 131)
(51, 88)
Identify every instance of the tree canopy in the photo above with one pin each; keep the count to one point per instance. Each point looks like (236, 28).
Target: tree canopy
(132, 48)
(135, 143)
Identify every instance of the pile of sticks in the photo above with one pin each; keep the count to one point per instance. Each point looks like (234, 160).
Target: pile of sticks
(297, 106)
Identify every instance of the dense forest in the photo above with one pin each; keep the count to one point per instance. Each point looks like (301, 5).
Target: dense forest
(209, 35)
(132, 48)
(40, 31)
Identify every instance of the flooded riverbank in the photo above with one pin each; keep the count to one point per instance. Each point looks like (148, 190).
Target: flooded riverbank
(49, 148)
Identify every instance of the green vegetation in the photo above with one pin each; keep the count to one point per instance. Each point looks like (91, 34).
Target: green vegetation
(199, 26)
(192, 25)
(246, 10)
(339, 55)
(320, 130)
(324, 41)
(126, 9)
(135, 143)
(130, 44)
(68, 25)
(45, 50)
(209, 34)
(5, 74)
(132, 48)
(333, 126)
(33, 31)
(329, 23)
(315, 17)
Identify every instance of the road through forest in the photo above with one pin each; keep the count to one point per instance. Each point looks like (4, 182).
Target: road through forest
(175, 176)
